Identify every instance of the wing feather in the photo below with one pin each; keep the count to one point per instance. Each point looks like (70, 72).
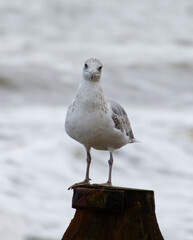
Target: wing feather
(120, 118)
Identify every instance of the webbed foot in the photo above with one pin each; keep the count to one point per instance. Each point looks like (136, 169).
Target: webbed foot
(107, 184)
(85, 182)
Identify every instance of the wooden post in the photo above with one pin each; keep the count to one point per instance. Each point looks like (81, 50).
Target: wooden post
(113, 213)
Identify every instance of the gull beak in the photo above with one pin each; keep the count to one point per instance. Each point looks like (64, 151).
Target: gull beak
(92, 75)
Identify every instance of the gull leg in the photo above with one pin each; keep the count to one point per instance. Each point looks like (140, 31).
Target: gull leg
(87, 179)
(110, 162)
(88, 160)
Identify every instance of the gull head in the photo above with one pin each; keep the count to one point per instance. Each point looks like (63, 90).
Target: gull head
(92, 70)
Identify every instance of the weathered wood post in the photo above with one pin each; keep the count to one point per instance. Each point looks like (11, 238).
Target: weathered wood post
(113, 213)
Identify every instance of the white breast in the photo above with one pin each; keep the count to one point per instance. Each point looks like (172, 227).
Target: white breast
(89, 121)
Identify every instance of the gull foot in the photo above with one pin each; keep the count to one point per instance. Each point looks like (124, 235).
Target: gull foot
(107, 184)
(85, 182)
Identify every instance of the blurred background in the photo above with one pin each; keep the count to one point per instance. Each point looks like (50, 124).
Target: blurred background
(146, 48)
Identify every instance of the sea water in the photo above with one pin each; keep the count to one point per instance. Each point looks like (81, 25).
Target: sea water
(147, 52)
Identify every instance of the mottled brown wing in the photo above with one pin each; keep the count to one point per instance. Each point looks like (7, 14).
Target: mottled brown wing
(120, 118)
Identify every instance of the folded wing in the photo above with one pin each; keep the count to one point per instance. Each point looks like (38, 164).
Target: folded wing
(120, 118)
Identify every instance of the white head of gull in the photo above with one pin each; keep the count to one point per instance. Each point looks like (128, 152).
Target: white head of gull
(95, 120)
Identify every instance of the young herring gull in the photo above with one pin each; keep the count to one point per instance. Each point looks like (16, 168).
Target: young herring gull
(95, 120)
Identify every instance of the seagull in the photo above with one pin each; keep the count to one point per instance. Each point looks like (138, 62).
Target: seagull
(96, 121)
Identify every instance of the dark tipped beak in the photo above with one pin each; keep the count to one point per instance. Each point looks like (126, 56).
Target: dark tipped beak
(92, 76)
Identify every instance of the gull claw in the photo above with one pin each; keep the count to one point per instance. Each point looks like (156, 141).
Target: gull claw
(85, 182)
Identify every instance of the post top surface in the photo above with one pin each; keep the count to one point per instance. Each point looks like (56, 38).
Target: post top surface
(98, 186)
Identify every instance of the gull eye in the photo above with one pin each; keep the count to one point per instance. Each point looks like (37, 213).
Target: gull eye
(100, 68)
(85, 65)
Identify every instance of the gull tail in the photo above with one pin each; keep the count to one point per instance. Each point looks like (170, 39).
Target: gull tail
(133, 140)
